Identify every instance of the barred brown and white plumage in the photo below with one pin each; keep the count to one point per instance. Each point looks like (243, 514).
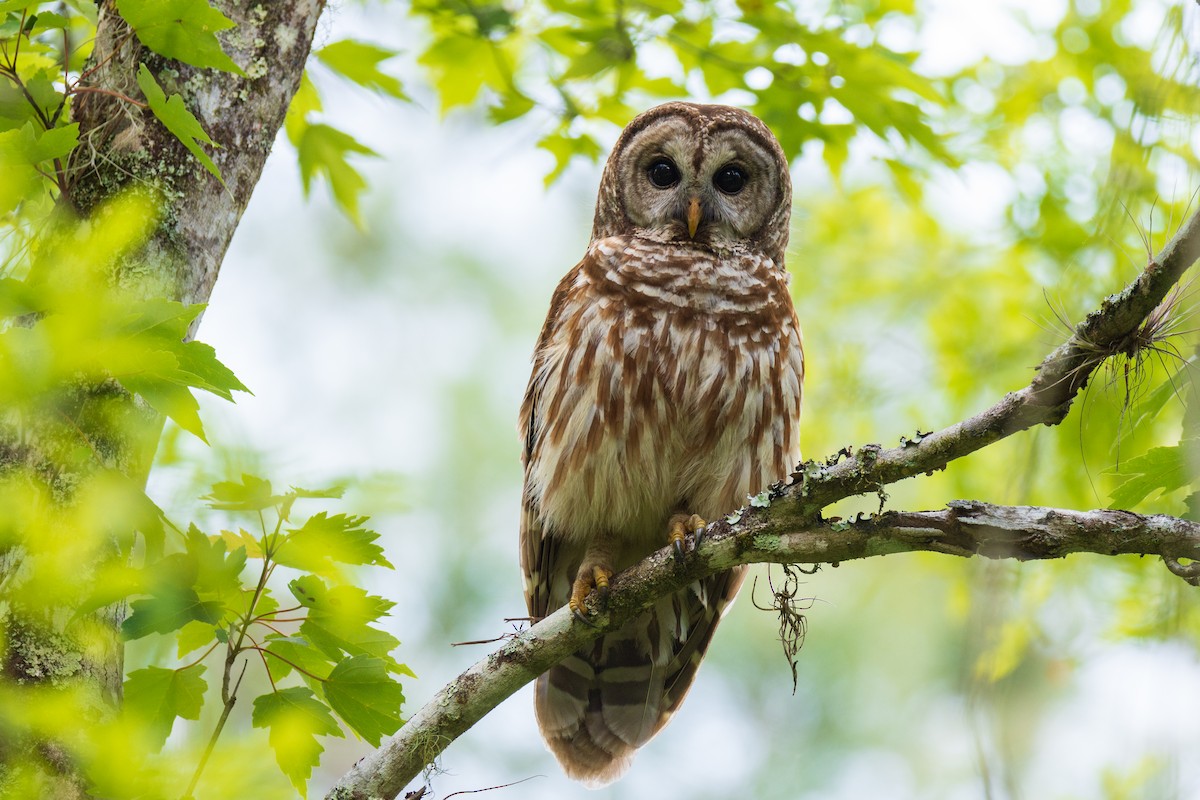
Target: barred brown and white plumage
(666, 382)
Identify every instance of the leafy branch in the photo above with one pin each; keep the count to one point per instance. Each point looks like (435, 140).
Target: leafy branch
(784, 525)
(342, 659)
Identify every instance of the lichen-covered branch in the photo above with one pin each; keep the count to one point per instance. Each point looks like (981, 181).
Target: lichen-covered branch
(761, 535)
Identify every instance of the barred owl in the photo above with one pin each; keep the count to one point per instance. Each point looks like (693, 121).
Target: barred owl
(666, 387)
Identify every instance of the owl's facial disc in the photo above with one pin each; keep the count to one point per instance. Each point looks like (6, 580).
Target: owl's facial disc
(711, 184)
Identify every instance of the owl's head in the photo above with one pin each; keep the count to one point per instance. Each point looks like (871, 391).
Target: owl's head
(710, 174)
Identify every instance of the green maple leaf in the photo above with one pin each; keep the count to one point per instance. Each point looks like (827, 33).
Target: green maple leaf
(359, 62)
(324, 540)
(251, 494)
(295, 652)
(174, 115)
(181, 29)
(160, 695)
(365, 696)
(294, 718)
(1162, 469)
(339, 620)
(322, 150)
(169, 609)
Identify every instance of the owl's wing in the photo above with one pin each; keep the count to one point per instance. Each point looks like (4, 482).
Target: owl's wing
(705, 609)
(539, 553)
(540, 550)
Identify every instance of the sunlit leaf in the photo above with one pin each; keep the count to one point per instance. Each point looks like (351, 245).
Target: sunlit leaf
(22, 152)
(366, 697)
(160, 695)
(182, 29)
(306, 101)
(324, 540)
(174, 115)
(296, 653)
(359, 62)
(564, 147)
(218, 571)
(294, 719)
(1160, 469)
(193, 636)
(339, 619)
(323, 150)
(251, 494)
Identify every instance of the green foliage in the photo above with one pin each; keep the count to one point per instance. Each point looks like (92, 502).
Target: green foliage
(157, 696)
(1160, 469)
(199, 596)
(364, 694)
(323, 542)
(26, 154)
(185, 30)
(322, 150)
(601, 62)
(359, 62)
(86, 331)
(913, 320)
(37, 137)
(67, 327)
(295, 719)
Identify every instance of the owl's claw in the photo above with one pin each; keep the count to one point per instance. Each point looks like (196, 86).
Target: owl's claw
(678, 528)
(589, 577)
(677, 546)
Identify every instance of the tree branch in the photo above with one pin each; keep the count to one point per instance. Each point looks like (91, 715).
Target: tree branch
(1110, 330)
(789, 528)
(760, 536)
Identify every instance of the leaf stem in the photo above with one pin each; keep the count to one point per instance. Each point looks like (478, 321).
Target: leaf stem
(203, 656)
(291, 664)
(109, 92)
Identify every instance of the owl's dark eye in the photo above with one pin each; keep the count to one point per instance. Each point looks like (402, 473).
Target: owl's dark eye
(730, 179)
(663, 173)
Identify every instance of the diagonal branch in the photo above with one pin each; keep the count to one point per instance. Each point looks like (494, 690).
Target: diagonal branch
(790, 529)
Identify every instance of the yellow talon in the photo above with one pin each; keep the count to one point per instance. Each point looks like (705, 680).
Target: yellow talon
(676, 533)
(678, 528)
(595, 577)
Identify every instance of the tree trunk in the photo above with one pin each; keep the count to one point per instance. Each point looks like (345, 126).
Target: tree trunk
(123, 147)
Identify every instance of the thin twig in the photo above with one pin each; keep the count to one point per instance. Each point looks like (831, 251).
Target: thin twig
(216, 734)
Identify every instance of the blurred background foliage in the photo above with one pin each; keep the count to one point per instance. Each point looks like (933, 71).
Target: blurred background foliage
(969, 179)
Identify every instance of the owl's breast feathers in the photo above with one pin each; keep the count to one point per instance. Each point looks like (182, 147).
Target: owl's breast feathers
(664, 374)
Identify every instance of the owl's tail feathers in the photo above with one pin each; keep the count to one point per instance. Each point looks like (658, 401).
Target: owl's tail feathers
(594, 723)
(597, 707)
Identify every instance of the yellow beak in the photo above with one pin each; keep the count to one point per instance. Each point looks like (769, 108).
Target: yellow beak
(693, 217)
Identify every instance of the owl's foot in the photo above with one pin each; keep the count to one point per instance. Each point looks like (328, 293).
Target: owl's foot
(678, 528)
(590, 576)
